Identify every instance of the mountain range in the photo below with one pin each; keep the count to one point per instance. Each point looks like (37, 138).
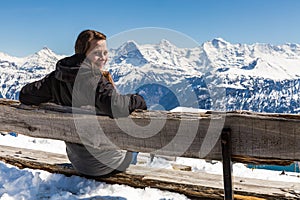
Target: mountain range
(216, 75)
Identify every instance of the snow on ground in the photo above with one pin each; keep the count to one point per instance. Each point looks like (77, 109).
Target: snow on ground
(36, 184)
(187, 109)
(29, 184)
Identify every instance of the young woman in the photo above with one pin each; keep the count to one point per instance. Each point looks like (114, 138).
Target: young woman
(79, 80)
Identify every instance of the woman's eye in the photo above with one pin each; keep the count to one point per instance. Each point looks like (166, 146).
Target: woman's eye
(99, 53)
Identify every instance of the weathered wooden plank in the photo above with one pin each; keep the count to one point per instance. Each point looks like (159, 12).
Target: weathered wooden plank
(193, 184)
(272, 138)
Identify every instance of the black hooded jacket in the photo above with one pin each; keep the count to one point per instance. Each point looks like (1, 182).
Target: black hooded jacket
(76, 83)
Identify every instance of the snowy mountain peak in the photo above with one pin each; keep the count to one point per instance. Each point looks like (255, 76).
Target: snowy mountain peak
(129, 53)
(45, 52)
(165, 43)
(219, 43)
(8, 58)
(128, 46)
(293, 46)
(4, 56)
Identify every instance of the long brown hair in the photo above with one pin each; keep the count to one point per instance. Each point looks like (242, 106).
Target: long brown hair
(83, 43)
(108, 76)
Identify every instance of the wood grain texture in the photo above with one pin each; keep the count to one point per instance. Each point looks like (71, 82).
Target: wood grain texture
(197, 185)
(256, 137)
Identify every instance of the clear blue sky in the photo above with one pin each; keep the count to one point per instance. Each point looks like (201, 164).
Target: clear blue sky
(29, 25)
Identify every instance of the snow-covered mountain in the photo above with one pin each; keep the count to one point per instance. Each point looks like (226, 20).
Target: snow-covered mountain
(16, 72)
(216, 75)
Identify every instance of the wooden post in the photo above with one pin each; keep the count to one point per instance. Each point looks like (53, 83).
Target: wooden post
(227, 164)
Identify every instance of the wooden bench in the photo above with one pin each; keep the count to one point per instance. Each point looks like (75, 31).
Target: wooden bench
(228, 136)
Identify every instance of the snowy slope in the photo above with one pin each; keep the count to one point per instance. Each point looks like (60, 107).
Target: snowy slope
(216, 75)
(256, 60)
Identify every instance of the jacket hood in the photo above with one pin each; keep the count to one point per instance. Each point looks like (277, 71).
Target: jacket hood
(67, 69)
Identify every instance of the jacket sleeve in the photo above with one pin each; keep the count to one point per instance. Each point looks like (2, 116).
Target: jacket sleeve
(37, 92)
(110, 102)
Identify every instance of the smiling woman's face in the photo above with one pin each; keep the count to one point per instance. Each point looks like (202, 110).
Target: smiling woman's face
(97, 53)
